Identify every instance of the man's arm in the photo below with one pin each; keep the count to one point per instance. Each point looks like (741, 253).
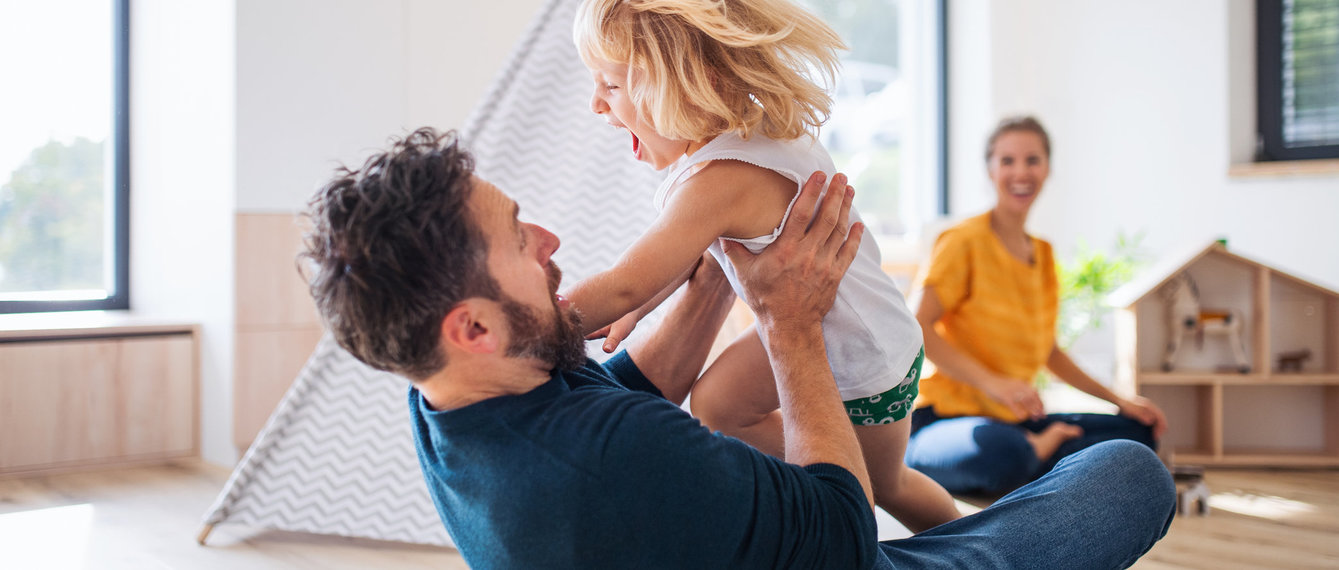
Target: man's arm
(672, 356)
(791, 285)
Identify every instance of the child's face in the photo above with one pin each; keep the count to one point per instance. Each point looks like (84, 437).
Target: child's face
(612, 100)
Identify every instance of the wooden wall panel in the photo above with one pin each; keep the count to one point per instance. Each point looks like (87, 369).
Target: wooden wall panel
(267, 364)
(277, 323)
(270, 291)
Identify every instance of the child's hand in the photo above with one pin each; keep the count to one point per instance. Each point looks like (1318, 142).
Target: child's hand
(616, 332)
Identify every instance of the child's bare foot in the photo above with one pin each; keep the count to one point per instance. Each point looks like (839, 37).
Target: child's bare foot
(1049, 440)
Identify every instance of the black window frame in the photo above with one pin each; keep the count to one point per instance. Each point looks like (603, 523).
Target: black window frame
(1269, 90)
(119, 299)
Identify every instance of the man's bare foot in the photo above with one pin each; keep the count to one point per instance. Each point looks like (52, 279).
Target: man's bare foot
(1049, 440)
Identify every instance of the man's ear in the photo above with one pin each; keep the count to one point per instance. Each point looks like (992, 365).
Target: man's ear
(468, 327)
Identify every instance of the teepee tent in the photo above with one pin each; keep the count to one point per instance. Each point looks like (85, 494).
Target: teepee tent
(337, 455)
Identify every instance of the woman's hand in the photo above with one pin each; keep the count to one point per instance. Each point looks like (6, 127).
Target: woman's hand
(1019, 396)
(1144, 411)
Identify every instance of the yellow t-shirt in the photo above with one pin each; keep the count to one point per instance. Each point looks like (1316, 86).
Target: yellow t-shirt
(998, 310)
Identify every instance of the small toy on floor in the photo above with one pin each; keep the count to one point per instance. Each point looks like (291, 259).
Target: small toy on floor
(1190, 489)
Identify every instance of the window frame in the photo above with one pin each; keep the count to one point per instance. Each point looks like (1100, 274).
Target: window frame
(119, 299)
(1269, 90)
(941, 15)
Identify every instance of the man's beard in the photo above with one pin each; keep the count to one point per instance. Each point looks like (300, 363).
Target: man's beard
(562, 345)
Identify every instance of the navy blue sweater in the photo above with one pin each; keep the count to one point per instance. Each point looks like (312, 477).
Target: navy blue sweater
(595, 469)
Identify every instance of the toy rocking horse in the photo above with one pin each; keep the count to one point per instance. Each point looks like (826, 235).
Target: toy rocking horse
(1185, 315)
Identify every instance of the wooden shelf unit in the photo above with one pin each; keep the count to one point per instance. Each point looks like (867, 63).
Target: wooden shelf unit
(85, 390)
(1262, 418)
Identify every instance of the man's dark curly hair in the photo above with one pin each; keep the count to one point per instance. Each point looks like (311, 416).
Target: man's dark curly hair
(393, 247)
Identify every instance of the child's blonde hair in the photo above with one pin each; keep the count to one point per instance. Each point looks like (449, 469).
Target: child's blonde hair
(716, 66)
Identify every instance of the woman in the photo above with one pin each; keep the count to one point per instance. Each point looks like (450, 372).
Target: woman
(988, 307)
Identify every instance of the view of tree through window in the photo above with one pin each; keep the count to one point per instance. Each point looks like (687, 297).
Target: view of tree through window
(51, 219)
(879, 106)
(56, 163)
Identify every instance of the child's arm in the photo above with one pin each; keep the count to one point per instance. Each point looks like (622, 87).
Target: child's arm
(618, 331)
(726, 198)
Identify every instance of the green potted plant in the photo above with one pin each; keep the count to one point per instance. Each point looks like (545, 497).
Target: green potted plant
(1084, 282)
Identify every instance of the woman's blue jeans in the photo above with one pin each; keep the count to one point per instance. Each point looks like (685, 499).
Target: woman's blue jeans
(977, 455)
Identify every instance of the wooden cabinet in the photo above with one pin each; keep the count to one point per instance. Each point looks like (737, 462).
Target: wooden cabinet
(95, 399)
(1277, 413)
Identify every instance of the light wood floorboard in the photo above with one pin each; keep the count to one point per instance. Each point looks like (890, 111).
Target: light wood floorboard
(148, 517)
(1258, 518)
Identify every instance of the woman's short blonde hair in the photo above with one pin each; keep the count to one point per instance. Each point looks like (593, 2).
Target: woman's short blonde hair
(714, 66)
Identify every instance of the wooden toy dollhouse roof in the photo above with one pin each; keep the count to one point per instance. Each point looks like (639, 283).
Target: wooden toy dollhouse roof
(1170, 265)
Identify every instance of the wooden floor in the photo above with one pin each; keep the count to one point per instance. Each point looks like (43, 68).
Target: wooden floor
(148, 518)
(1257, 519)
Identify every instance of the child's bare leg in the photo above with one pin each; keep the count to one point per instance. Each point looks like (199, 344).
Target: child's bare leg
(737, 396)
(1049, 440)
(912, 498)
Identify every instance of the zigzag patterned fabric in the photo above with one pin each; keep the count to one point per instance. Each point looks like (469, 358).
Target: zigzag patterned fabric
(337, 455)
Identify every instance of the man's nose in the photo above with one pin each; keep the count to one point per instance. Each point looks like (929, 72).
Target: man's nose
(548, 243)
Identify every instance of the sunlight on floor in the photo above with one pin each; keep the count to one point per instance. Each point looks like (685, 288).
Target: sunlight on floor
(890, 529)
(46, 538)
(1260, 506)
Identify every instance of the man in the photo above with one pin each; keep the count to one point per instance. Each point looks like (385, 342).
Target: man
(537, 457)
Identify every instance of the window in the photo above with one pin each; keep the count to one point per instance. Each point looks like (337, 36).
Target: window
(64, 155)
(887, 129)
(1298, 79)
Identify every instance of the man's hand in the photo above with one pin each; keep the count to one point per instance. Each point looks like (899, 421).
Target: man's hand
(794, 281)
(790, 287)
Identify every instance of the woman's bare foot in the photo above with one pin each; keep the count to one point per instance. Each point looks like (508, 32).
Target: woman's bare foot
(1049, 440)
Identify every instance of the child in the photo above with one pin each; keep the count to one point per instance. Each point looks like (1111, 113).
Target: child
(720, 91)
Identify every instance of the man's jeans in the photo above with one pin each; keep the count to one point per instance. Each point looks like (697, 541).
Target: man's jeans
(1101, 507)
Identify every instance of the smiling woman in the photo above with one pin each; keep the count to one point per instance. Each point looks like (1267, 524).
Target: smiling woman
(63, 156)
(988, 308)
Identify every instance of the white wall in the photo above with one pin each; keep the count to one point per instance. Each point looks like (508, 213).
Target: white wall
(1144, 100)
(181, 179)
(247, 105)
(1147, 103)
(320, 82)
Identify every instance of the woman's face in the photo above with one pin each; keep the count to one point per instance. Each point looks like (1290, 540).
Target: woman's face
(1018, 168)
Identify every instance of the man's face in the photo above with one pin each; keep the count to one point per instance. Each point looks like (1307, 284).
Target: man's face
(541, 323)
